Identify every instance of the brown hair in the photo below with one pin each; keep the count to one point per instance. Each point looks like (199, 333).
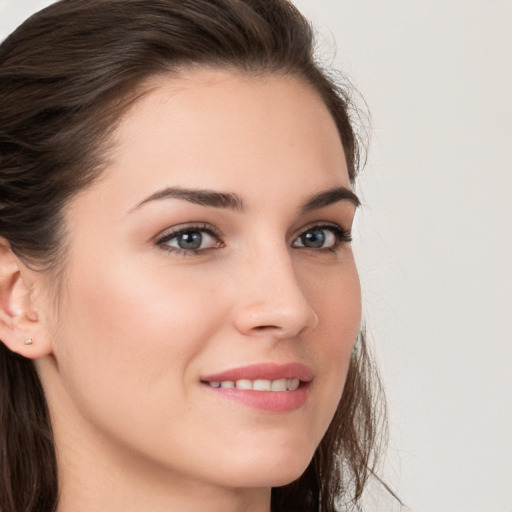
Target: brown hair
(67, 76)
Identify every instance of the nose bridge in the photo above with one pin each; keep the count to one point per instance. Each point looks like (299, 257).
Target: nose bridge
(271, 298)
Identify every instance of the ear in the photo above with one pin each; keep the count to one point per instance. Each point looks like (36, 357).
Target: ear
(21, 328)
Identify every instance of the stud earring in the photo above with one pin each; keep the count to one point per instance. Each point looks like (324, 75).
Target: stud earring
(28, 341)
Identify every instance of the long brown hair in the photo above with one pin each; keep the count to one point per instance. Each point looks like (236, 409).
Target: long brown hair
(67, 76)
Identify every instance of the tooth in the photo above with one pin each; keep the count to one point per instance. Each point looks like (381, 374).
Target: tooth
(261, 385)
(258, 384)
(278, 385)
(292, 384)
(244, 384)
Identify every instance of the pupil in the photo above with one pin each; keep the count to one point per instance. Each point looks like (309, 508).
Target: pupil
(190, 240)
(314, 239)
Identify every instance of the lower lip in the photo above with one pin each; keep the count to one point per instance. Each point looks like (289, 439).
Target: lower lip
(271, 401)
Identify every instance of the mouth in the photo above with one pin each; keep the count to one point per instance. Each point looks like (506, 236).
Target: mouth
(269, 387)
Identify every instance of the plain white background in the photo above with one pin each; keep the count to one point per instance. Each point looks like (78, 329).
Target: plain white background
(434, 239)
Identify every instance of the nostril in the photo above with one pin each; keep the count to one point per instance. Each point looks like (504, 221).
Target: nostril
(265, 327)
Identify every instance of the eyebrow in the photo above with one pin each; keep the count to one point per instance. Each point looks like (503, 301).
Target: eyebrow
(234, 202)
(197, 196)
(328, 197)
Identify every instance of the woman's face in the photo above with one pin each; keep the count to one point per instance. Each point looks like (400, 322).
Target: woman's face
(214, 249)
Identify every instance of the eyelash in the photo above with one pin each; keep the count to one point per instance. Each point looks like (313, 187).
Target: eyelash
(341, 235)
(194, 228)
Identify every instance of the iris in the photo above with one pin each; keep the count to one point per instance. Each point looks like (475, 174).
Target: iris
(313, 239)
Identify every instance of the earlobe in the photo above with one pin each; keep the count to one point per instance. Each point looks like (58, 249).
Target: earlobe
(20, 324)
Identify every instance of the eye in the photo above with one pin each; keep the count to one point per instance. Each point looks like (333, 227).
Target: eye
(190, 240)
(326, 236)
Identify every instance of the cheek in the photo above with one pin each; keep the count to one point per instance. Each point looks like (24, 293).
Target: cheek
(127, 332)
(338, 305)
(337, 302)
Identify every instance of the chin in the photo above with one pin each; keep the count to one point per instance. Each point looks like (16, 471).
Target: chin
(272, 469)
(276, 476)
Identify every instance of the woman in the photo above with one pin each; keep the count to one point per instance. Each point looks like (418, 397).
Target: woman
(179, 300)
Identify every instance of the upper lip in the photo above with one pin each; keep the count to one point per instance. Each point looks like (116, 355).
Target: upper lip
(269, 371)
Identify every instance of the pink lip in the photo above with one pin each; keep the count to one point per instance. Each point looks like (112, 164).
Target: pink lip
(270, 401)
(269, 371)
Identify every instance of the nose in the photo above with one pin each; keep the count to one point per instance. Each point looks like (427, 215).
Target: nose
(271, 300)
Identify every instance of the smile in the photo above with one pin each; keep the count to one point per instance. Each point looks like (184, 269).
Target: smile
(270, 387)
(258, 384)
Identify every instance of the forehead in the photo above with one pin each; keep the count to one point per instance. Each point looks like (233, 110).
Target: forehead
(228, 116)
(225, 131)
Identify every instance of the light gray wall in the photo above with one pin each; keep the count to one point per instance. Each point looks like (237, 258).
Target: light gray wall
(13, 12)
(435, 235)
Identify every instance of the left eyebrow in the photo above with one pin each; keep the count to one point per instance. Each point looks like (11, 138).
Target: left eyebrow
(328, 197)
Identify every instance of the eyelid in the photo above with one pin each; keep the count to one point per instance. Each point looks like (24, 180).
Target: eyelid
(170, 233)
(343, 235)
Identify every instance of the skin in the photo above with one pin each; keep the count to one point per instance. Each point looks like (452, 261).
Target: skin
(139, 324)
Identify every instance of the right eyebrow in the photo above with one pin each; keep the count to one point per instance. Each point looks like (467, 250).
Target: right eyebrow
(197, 196)
(328, 197)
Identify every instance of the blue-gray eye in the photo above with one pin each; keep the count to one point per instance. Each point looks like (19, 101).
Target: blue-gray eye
(314, 239)
(189, 239)
(322, 237)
